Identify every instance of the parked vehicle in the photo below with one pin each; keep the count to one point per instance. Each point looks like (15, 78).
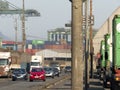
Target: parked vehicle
(102, 60)
(111, 56)
(108, 58)
(115, 66)
(49, 72)
(36, 73)
(19, 74)
(67, 69)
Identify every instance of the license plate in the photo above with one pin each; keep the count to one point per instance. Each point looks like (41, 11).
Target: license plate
(118, 84)
(36, 76)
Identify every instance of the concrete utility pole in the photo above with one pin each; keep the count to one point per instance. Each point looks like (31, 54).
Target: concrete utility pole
(77, 45)
(86, 45)
(23, 29)
(16, 34)
(91, 41)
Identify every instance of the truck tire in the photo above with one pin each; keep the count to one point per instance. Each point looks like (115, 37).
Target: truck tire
(114, 86)
(105, 84)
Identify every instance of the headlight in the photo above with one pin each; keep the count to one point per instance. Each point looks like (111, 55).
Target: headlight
(6, 68)
(13, 75)
(117, 78)
(31, 75)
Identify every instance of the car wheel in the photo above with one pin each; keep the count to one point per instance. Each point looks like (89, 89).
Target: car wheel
(25, 78)
(13, 79)
(53, 76)
(31, 80)
(44, 80)
(58, 75)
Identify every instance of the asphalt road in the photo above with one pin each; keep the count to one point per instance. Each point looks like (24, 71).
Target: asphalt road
(94, 84)
(8, 84)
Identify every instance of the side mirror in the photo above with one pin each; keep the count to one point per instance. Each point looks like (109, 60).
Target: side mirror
(97, 67)
(106, 55)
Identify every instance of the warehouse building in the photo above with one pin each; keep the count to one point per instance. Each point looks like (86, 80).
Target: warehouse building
(104, 29)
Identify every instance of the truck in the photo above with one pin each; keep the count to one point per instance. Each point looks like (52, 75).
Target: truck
(115, 66)
(111, 71)
(8, 61)
(108, 59)
(36, 61)
(5, 60)
(101, 60)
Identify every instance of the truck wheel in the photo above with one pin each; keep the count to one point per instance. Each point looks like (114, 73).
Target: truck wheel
(105, 84)
(113, 86)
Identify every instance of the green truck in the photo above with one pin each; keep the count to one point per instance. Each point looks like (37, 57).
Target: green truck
(110, 57)
(115, 67)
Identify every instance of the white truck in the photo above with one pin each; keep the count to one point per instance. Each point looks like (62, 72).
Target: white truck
(7, 63)
(36, 61)
(5, 60)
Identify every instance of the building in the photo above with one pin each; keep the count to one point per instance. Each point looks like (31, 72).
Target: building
(60, 35)
(63, 56)
(104, 29)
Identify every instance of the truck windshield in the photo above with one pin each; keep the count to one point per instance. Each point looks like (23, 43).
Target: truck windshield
(35, 63)
(3, 62)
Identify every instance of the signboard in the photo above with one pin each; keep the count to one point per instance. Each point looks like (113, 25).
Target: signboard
(36, 42)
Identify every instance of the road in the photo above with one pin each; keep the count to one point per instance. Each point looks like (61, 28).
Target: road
(49, 84)
(94, 84)
(8, 84)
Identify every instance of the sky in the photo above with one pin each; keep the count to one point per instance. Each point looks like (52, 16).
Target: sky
(54, 14)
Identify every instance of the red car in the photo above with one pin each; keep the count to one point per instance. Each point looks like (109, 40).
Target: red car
(37, 73)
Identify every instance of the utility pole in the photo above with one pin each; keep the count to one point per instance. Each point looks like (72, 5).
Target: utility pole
(91, 41)
(23, 29)
(86, 45)
(77, 45)
(15, 33)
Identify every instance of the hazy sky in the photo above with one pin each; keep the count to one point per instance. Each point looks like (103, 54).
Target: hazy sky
(54, 14)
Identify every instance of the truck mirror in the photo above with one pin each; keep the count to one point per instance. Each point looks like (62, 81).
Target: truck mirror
(97, 67)
(106, 55)
(101, 56)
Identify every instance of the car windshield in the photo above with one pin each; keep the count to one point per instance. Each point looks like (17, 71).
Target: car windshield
(3, 62)
(68, 67)
(55, 69)
(47, 69)
(21, 71)
(35, 63)
(37, 69)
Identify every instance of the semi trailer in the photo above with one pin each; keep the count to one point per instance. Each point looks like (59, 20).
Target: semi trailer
(115, 67)
(110, 56)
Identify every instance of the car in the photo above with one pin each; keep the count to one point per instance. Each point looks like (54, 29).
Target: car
(67, 69)
(36, 73)
(49, 72)
(56, 72)
(19, 73)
